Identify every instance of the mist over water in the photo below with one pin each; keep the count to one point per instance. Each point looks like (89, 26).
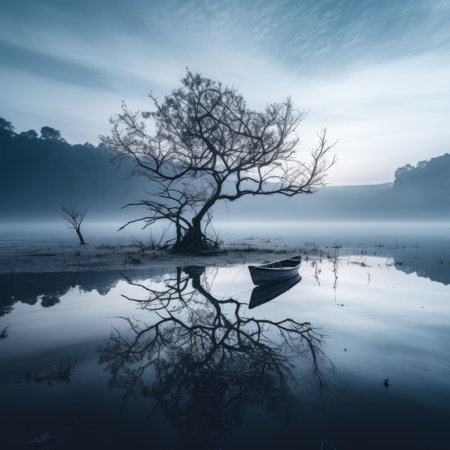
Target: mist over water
(348, 232)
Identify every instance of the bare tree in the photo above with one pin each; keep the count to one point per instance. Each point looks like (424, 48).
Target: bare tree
(203, 144)
(74, 219)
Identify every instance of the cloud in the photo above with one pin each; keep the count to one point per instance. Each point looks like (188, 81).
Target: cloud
(374, 72)
(385, 114)
(51, 67)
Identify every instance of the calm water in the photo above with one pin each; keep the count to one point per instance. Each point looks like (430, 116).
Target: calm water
(354, 355)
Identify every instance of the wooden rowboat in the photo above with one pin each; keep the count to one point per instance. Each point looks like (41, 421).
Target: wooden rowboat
(276, 271)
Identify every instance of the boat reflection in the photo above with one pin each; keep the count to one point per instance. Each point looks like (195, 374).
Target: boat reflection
(266, 292)
(204, 362)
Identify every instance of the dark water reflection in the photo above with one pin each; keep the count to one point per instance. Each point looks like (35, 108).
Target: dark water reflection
(266, 292)
(209, 359)
(47, 288)
(182, 361)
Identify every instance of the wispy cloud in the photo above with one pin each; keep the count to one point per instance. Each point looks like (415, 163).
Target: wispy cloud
(373, 71)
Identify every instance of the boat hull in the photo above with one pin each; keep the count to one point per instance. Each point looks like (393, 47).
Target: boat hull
(262, 275)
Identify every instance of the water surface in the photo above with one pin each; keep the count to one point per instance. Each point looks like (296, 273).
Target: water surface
(354, 355)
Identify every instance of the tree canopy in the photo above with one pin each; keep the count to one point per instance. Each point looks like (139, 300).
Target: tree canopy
(6, 127)
(203, 144)
(50, 133)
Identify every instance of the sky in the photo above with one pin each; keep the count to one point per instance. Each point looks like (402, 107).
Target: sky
(374, 73)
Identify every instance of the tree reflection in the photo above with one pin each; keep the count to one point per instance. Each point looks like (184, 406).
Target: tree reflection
(203, 360)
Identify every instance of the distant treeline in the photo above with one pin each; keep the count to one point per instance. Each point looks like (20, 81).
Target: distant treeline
(420, 192)
(39, 172)
(425, 186)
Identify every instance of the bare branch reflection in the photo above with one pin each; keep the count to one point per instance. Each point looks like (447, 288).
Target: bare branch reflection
(203, 361)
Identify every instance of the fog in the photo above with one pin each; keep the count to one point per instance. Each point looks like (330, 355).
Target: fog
(40, 173)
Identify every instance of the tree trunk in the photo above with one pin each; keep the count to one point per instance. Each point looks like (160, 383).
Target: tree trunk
(194, 239)
(80, 236)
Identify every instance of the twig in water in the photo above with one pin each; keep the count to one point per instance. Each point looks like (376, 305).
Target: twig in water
(61, 372)
(316, 271)
(4, 333)
(335, 261)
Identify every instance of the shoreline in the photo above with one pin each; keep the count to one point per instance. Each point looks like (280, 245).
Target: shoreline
(39, 258)
(35, 258)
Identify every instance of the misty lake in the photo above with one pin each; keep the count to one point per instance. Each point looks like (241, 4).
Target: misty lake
(352, 354)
